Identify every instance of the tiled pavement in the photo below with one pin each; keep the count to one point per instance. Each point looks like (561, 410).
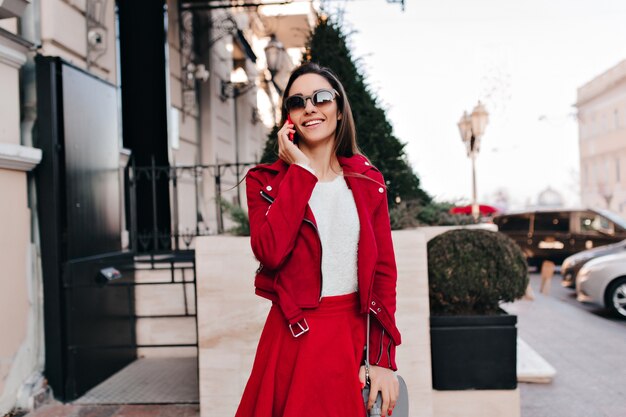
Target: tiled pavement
(69, 410)
(149, 381)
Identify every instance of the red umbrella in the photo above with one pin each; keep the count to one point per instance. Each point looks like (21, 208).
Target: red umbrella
(482, 209)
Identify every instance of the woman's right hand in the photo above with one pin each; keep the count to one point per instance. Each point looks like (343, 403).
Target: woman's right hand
(287, 150)
(385, 381)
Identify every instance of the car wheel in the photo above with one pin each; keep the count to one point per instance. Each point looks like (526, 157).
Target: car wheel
(568, 280)
(616, 297)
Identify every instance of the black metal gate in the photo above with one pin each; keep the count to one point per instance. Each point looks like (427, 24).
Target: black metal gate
(98, 324)
(154, 239)
(89, 332)
(89, 281)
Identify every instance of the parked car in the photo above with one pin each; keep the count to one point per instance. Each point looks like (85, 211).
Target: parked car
(550, 234)
(603, 281)
(572, 264)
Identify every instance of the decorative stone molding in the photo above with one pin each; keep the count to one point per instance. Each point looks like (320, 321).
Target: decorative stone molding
(13, 48)
(12, 8)
(17, 157)
(11, 57)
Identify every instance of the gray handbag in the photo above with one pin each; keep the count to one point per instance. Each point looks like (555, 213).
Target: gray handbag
(402, 404)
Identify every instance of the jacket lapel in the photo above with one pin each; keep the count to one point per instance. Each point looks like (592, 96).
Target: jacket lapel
(367, 251)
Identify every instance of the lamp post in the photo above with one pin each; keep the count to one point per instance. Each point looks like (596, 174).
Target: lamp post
(472, 127)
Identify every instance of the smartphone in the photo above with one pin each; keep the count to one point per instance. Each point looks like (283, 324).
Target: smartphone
(290, 122)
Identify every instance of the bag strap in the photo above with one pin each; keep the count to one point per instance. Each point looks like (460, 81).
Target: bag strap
(367, 350)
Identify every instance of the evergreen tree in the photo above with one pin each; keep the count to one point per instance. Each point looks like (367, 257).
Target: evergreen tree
(327, 46)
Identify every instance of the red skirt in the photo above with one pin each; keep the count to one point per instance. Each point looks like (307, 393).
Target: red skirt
(316, 374)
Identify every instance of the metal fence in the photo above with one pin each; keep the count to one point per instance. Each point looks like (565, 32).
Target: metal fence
(192, 188)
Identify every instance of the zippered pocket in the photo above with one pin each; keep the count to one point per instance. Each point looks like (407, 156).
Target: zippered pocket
(267, 196)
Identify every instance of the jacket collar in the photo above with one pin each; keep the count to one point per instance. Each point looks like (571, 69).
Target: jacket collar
(356, 163)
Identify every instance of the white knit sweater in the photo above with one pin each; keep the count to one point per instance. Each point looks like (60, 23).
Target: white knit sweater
(338, 226)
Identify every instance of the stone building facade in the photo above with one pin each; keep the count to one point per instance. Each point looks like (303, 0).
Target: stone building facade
(601, 107)
(207, 123)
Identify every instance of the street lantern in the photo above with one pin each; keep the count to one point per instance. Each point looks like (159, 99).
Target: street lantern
(274, 52)
(480, 118)
(465, 128)
(472, 127)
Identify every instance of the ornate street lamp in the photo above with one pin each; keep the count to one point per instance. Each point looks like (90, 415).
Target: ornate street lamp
(274, 55)
(472, 127)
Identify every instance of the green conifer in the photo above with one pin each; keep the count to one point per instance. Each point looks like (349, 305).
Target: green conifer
(328, 47)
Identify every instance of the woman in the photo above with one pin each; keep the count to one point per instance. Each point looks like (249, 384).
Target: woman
(319, 225)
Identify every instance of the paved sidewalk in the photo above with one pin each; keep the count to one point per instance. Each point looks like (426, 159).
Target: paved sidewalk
(230, 318)
(228, 335)
(69, 410)
(586, 348)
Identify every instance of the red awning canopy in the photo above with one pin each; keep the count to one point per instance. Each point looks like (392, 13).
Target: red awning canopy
(482, 209)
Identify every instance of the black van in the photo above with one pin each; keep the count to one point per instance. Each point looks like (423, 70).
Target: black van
(550, 234)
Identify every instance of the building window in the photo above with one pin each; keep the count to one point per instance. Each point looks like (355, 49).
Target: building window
(617, 173)
(616, 118)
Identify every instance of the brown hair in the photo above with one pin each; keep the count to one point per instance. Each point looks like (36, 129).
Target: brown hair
(345, 136)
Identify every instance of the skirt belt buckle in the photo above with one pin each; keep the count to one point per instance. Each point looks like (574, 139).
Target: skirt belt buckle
(302, 328)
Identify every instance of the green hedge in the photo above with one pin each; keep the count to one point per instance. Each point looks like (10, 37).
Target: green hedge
(239, 216)
(471, 271)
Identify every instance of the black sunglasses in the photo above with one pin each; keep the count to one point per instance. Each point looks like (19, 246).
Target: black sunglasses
(318, 98)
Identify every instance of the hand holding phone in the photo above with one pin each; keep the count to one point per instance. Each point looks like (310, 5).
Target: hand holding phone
(290, 122)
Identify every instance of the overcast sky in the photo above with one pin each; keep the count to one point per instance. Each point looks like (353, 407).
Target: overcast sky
(524, 59)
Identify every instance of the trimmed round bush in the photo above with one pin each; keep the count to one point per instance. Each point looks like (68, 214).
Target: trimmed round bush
(471, 271)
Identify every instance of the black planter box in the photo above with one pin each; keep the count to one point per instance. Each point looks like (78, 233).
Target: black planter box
(474, 352)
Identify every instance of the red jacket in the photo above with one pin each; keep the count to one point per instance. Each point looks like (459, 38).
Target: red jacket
(286, 242)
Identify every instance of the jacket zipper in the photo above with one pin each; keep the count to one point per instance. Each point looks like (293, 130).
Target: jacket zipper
(267, 197)
(320, 241)
(271, 201)
(380, 353)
